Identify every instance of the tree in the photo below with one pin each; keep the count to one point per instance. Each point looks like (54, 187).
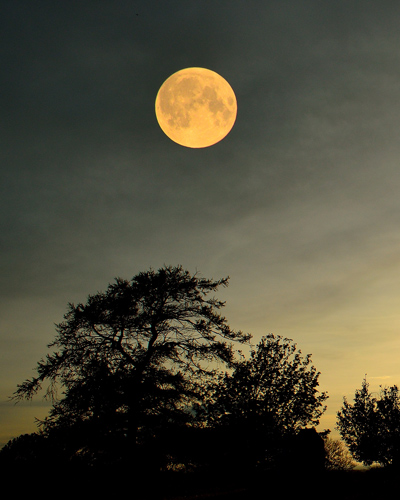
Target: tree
(371, 425)
(337, 456)
(25, 450)
(132, 358)
(270, 395)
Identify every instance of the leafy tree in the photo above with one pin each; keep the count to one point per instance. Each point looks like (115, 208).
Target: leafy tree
(25, 449)
(270, 395)
(133, 357)
(31, 453)
(371, 425)
(337, 455)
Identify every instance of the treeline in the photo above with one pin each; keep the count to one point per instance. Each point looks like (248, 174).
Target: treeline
(147, 377)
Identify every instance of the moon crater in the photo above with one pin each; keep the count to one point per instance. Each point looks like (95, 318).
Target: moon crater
(196, 107)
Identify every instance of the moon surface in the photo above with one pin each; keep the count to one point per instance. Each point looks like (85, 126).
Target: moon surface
(196, 107)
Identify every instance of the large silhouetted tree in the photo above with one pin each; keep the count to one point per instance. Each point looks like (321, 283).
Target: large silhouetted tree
(268, 396)
(131, 359)
(371, 425)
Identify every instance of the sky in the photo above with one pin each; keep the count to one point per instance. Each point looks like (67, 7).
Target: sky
(299, 204)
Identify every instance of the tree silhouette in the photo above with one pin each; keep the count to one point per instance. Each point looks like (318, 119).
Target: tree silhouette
(371, 425)
(132, 359)
(271, 395)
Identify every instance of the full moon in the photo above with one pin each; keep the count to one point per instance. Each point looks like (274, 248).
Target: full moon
(196, 107)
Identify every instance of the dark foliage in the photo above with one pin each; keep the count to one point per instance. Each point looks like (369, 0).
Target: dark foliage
(266, 398)
(371, 426)
(138, 392)
(131, 361)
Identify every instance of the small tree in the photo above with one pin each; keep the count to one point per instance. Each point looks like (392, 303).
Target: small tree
(132, 357)
(337, 456)
(371, 425)
(270, 395)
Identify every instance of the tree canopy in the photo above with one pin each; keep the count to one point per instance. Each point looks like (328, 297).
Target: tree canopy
(276, 386)
(266, 398)
(147, 373)
(134, 354)
(371, 425)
